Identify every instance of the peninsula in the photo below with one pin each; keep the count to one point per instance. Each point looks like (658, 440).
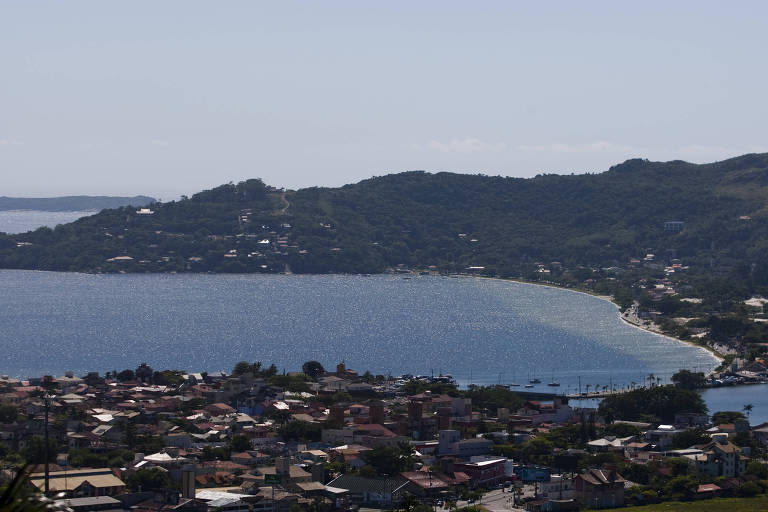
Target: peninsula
(71, 203)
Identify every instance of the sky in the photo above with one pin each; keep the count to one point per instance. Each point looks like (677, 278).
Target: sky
(169, 98)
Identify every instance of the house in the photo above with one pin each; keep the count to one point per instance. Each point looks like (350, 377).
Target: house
(332, 383)
(599, 488)
(558, 486)
(690, 420)
(220, 409)
(450, 443)
(719, 458)
(662, 436)
(81, 483)
(294, 474)
(380, 491)
(485, 472)
(609, 443)
(708, 490)
(314, 455)
(556, 410)
(760, 433)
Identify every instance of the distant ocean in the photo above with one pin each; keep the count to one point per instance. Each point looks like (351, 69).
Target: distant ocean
(21, 221)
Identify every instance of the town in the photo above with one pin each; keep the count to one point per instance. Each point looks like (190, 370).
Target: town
(316, 440)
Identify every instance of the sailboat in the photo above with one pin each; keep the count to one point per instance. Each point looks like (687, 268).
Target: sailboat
(513, 383)
(534, 380)
(553, 382)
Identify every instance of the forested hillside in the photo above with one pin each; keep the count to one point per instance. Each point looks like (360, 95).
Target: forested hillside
(449, 221)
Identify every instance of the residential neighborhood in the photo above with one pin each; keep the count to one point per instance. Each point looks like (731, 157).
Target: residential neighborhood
(314, 440)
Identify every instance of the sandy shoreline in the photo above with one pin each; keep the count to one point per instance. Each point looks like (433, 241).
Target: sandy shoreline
(609, 298)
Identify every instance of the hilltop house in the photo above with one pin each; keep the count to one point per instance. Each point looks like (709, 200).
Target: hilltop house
(599, 488)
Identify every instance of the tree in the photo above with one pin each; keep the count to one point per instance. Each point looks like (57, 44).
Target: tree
(390, 460)
(241, 368)
(758, 469)
(367, 471)
(661, 402)
(240, 443)
(688, 438)
(682, 486)
(492, 397)
(313, 369)
(747, 409)
(126, 376)
(300, 431)
(621, 430)
(272, 370)
(278, 415)
(147, 480)
(750, 489)
(722, 417)
(8, 413)
(34, 451)
(687, 379)
(79, 457)
(168, 377)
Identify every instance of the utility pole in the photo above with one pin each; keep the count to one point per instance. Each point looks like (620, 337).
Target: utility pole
(46, 399)
(47, 385)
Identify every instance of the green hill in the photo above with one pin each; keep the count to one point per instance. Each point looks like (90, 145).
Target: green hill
(451, 221)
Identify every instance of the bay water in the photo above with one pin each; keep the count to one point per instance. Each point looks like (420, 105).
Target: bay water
(21, 221)
(479, 330)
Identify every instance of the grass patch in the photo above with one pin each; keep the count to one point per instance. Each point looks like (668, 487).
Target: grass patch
(713, 505)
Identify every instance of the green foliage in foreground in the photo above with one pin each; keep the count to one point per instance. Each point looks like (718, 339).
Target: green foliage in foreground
(19, 496)
(657, 403)
(713, 505)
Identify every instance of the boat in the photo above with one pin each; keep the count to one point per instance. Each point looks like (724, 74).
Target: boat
(529, 385)
(514, 384)
(553, 382)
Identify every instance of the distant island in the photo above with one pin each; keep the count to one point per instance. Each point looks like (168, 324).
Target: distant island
(71, 203)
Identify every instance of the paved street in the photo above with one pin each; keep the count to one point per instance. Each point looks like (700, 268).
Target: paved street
(495, 501)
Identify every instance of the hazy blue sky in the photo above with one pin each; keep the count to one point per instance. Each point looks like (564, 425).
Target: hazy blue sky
(167, 98)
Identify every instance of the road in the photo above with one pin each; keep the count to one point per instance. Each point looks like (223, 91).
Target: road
(286, 204)
(497, 500)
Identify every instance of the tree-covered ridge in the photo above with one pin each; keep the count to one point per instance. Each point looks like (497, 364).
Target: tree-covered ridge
(71, 203)
(418, 219)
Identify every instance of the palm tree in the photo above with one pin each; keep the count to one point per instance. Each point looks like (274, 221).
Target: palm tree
(650, 379)
(747, 409)
(634, 384)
